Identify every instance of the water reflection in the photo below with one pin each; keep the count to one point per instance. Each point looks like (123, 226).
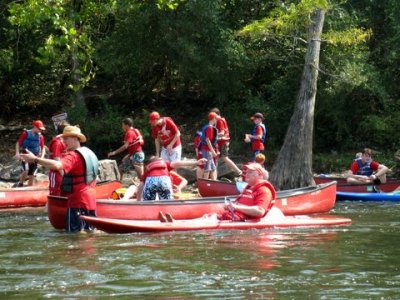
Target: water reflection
(358, 261)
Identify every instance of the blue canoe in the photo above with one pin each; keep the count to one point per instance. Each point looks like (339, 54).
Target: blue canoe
(368, 196)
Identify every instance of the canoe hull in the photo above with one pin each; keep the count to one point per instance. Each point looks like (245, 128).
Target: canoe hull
(290, 202)
(37, 195)
(24, 196)
(343, 186)
(211, 223)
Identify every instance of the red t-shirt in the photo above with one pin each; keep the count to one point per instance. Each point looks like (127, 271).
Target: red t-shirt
(258, 144)
(148, 171)
(210, 133)
(222, 126)
(196, 142)
(166, 132)
(23, 136)
(83, 195)
(56, 148)
(130, 136)
(176, 179)
(354, 166)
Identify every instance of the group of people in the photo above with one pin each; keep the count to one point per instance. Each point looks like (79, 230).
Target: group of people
(74, 168)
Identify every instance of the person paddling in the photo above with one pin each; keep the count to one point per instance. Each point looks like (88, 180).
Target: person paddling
(257, 198)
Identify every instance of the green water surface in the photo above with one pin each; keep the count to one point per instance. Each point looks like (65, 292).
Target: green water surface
(360, 261)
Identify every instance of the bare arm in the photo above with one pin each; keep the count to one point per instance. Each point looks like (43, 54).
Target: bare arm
(176, 136)
(120, 149)
(157, 143)
(210, 147)
(382, 169)
(253, 211)
(188, 163)
(17, 156)
(48, 163)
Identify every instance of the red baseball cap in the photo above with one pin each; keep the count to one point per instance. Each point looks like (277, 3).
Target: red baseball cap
(257, 116)
(38, 124)
(212, 115)
(154, 116)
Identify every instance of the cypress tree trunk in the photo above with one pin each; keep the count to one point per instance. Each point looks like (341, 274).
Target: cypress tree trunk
(293, 167)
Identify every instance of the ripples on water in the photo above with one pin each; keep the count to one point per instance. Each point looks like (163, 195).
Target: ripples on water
(358, 261)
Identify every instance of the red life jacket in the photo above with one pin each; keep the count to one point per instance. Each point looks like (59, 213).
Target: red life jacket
(250, 193)
(137, 132)
(158, 164)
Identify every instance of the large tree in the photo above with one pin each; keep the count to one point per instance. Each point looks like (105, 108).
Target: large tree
(300, 22)
(293, 167)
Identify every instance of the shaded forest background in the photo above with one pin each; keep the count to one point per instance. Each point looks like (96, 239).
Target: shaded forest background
(101, 61)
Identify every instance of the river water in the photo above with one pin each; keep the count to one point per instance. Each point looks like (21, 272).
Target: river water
(360, 261)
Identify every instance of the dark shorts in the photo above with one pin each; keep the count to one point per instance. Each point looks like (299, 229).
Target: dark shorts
(75, 223)
(224, 150)
(31, 168)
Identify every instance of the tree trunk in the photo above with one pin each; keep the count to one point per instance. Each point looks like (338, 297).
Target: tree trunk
(293, 167)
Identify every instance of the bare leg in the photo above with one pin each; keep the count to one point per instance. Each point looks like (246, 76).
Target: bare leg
(213, 175)
(139, 170)
(30, 180)
(199, 172)
(231, 164)
(22, 177)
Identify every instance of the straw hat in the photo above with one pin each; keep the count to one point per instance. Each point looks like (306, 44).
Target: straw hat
(73, 131)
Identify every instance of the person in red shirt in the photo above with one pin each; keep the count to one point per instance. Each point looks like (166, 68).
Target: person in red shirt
(57, 149)
(254, 202)
(80, 168)
(256, 199)
(209, 147)
(178, 182)
(30, 140)
(223, 141)
(257, 136)
(196, 144)
(167, 137)
(133, 142)
(365, 170)
(156, 178)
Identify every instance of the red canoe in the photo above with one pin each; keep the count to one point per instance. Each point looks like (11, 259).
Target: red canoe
(317, 199)
(343, 186)
(212, 223)
(37, 195)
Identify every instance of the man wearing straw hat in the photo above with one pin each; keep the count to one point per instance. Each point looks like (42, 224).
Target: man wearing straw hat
(80, 168)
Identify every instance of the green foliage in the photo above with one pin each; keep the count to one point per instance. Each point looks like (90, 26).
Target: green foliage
(184, 57)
